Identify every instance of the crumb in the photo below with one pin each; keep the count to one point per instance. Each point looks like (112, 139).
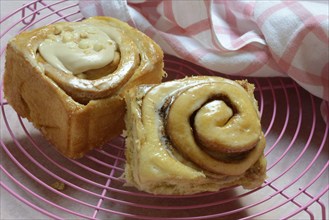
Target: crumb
(58, 185)
(124, 133)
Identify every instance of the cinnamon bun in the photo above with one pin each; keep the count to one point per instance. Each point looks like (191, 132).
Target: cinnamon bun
(69, 79)
(193, 135)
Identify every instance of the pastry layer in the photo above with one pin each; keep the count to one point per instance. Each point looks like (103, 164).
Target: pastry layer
(164, 151)
(69, 79)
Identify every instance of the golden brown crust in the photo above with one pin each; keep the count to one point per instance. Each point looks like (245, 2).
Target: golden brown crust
(73, 127)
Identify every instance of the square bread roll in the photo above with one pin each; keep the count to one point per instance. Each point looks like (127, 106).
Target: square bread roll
(69, 79)
(193, 135)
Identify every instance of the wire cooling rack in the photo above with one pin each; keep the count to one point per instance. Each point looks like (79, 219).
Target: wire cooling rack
(59, 188)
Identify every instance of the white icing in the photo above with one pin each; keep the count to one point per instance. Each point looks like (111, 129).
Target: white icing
(78, 48)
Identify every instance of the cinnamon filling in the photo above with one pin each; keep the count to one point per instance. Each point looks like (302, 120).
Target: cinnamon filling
(214, 130)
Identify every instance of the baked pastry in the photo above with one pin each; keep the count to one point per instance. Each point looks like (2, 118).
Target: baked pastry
(193, 135)
(69, 79)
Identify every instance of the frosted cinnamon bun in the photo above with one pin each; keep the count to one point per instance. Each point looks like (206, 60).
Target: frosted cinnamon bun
(69, 79)
(193, 135)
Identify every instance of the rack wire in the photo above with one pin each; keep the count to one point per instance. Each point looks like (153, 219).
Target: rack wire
(91, 188)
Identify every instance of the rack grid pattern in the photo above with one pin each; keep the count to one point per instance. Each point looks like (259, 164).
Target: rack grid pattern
(91, 188)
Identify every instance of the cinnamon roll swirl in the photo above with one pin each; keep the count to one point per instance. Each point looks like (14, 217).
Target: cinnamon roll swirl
(194, 135)
(69, 79)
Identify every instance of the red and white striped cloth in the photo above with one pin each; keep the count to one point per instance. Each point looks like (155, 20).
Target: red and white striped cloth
(248, 38)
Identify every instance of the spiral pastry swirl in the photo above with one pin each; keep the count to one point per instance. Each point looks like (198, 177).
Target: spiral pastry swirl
(92, 59)
(69, 79)
(204, 130)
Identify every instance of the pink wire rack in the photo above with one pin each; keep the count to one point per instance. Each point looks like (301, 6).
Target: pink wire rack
(297, 154)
